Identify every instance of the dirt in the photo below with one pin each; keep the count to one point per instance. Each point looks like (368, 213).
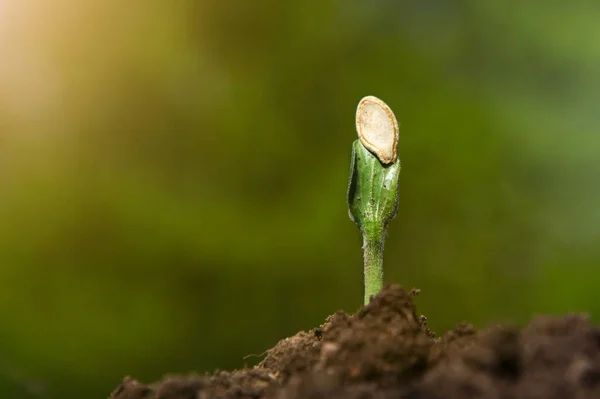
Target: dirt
(385, 350)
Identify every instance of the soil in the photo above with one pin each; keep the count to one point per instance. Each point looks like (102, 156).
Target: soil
(386, 351)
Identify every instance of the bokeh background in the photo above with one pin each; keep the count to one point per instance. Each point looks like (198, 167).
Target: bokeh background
(173, 174)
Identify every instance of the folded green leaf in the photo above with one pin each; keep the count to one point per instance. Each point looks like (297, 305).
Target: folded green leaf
(372, 189)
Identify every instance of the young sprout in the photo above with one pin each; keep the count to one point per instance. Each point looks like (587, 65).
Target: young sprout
(373, 184)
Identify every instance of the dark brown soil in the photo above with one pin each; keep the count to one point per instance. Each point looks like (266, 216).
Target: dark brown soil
(386, 351)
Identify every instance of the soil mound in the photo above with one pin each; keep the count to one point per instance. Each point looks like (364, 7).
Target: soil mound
(386, 351)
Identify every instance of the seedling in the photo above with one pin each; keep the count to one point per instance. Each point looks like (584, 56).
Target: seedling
(373, 184)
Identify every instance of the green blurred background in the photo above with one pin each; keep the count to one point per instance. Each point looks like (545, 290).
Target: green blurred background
(173, 174)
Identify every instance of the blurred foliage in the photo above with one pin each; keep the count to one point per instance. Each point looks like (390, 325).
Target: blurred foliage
(162, 211)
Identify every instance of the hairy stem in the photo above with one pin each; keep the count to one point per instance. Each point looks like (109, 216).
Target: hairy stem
(373, 240)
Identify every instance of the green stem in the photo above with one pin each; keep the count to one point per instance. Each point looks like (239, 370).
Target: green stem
(373, 240)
